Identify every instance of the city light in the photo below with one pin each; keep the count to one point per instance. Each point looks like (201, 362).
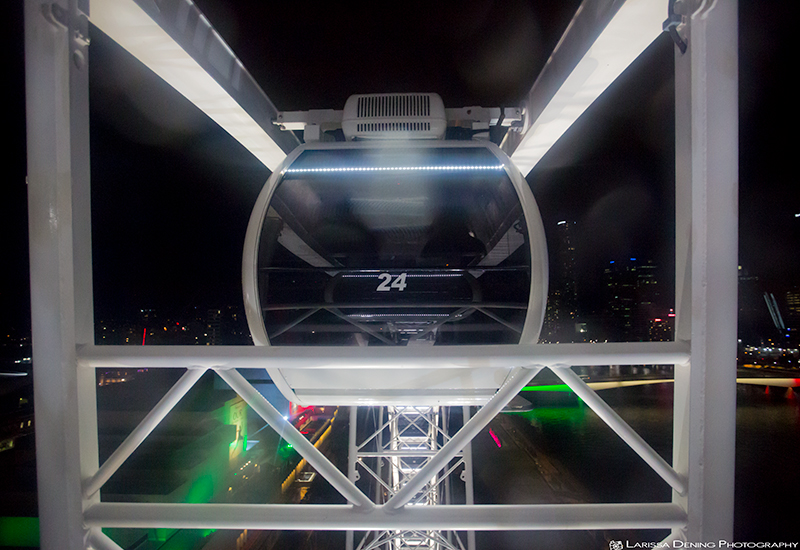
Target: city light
(495, 438)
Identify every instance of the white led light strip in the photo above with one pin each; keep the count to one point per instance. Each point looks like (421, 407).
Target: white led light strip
(425, 275)
(396, 168)
(373, 315)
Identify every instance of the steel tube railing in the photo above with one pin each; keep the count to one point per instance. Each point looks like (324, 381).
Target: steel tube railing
(303, 446)
(343, 517)
(147, 425)
(100, 541)
(327, 357)
(469, 490)
(621, 428)
(352, 460)
(382, 305)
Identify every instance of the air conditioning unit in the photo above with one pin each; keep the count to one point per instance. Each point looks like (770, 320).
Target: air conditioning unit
(394, 116)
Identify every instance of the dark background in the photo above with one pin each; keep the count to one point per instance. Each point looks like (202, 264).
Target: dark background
(172, 193)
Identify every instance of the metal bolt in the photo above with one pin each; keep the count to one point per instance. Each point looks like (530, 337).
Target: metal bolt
(79, 59)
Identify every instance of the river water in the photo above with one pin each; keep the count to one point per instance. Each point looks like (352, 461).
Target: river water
(595, 465)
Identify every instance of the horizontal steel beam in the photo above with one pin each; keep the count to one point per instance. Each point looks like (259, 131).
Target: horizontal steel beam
(340, 517)
(413, 453)
(382, 357)
(176, 41)
(602, 40)
(387, 304)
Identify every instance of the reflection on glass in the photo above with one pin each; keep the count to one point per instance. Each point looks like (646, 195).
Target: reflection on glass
(399, 247)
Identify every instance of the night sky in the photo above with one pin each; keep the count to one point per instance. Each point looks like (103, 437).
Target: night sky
(172, 193)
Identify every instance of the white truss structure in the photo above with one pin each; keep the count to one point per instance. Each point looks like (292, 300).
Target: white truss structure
(414, 434)
(65, 357)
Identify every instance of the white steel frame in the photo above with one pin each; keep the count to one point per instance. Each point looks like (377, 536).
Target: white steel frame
(65, 357)
(415, 434)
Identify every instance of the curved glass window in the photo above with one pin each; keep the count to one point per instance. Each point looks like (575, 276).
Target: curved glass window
(394, 247)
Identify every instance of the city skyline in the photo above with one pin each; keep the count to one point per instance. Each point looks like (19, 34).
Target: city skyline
(178, 199)
(172, 194)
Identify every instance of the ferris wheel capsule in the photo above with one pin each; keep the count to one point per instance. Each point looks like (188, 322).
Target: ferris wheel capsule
(404, 243)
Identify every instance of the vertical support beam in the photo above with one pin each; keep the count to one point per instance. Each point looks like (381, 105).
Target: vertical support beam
(511, 387)
(469, 487)
(706, 96)
(379, 466)
(352, 458)
(57, 110)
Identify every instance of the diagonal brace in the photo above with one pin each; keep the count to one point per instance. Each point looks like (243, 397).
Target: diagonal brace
(147, 425)
(313, 456)
(510, 388)
(621, 428)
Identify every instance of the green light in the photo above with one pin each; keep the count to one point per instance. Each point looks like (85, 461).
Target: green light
(19, 531)
(285, 450)
(555, 416)
(201, 490)
(548, 387)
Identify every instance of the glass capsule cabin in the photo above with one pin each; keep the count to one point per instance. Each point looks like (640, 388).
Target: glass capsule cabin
(409, 244)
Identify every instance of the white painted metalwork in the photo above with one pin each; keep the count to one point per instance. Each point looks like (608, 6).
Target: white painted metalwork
(415, 434)
(601, 41)
(176, 41)
(314, 122)
(65, 360)
(303, 446)
(706, 240)
(436, 385)
(341, 517)
(622, 429)
(469, 487)
(329, 357)
(59, 218)
(100, 541)
(147, 425)
(506, 393)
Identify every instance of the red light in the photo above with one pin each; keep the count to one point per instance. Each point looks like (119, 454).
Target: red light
(657, 320)
(496, 439)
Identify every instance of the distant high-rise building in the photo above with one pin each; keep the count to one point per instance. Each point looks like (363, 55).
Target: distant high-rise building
(755, 323)
(792, 338)
(633, 300)
(793, 308)
(661, 329)
(213, 327)
(565, 231)
(226, 326)
(560, 323)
